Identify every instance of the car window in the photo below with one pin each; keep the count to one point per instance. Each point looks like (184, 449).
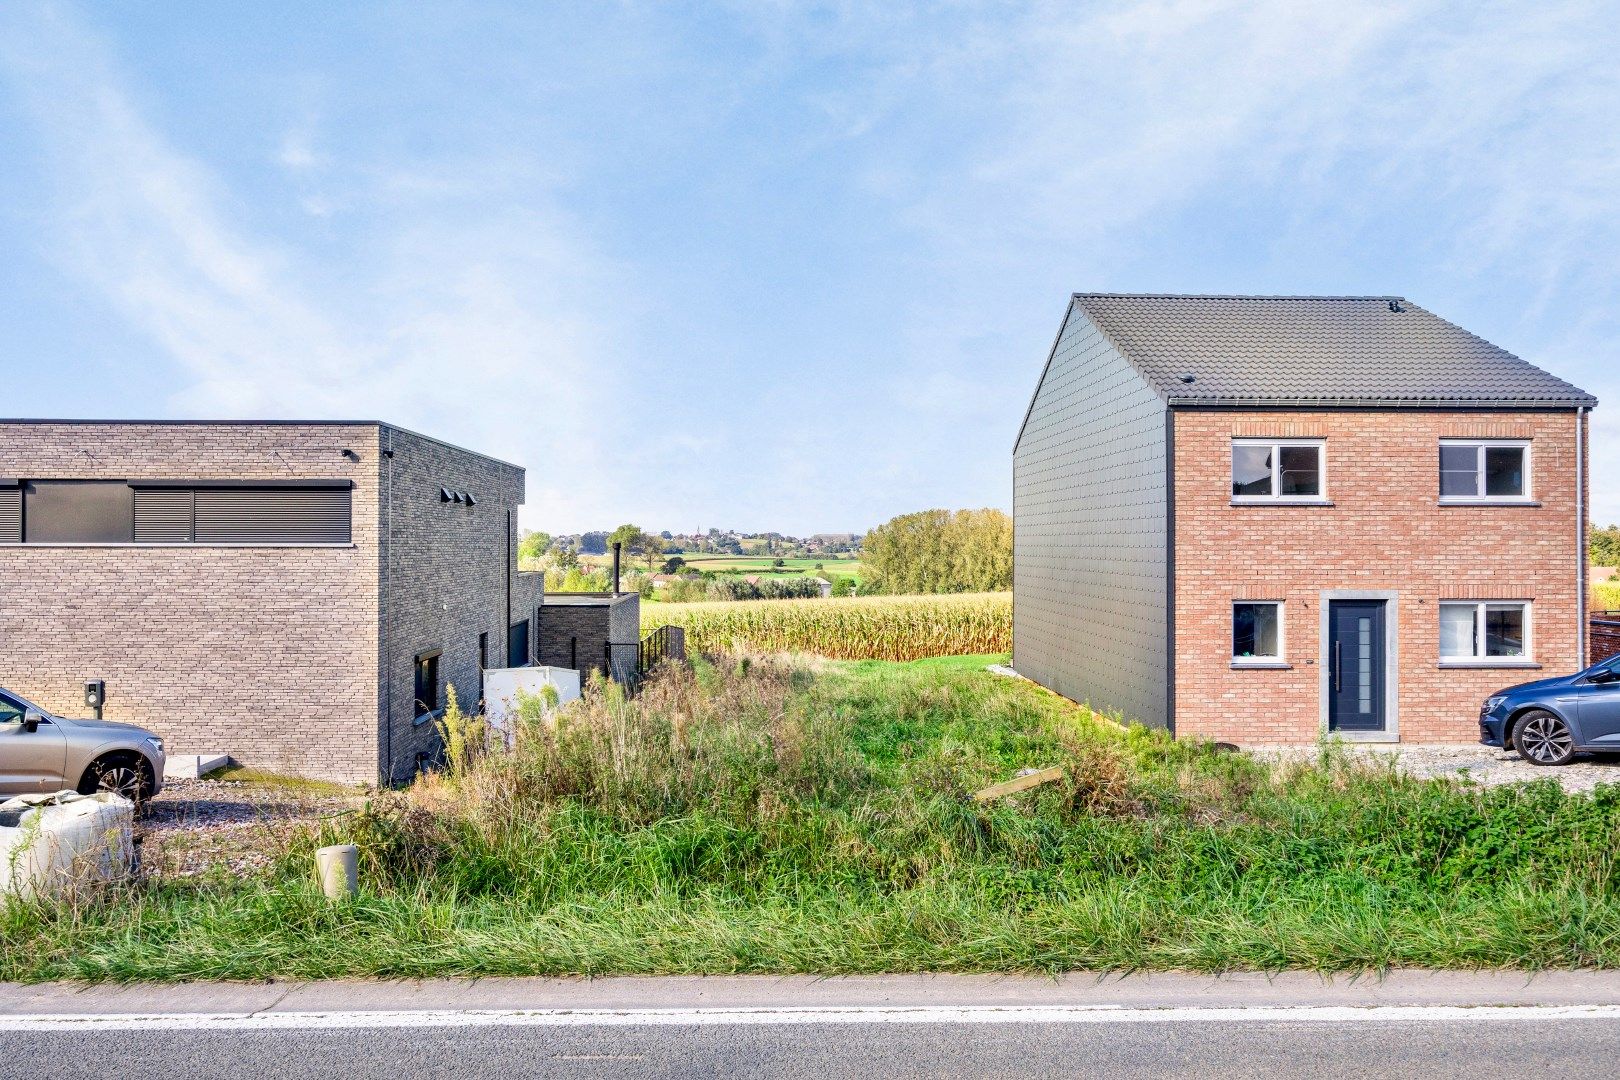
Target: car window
(11, 710)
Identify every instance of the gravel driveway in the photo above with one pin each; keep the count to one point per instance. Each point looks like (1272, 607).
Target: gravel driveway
(1481, 764)
(196, 826)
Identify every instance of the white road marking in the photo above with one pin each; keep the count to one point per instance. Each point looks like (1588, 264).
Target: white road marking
(714, 1017)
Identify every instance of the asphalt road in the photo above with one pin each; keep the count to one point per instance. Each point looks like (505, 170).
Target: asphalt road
(1161, 1026)
(1171, 1049)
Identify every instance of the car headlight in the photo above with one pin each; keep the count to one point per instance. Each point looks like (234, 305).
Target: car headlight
(156, 744)
(1492, 702)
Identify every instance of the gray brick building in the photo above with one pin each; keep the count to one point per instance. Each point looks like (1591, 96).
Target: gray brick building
(583, 631)
(299, 595)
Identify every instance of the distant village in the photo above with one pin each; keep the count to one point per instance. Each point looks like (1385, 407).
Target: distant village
(723, 542)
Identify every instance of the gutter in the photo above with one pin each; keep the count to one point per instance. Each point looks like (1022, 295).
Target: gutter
(1256, 402)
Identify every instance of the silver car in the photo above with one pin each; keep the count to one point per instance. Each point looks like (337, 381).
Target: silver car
(43, 752)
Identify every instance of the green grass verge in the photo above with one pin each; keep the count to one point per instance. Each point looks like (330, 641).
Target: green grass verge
(766, 817)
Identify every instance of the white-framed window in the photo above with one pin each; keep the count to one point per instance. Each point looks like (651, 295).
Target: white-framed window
(1279, 470)
(1485, 631)
(1257, 632)
(1484, 470)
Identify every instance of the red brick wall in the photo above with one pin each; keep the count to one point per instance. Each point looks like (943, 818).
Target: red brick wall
(1384, 531)
(1605, 639)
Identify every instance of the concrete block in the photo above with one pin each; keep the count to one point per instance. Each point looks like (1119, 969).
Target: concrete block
(194, 766)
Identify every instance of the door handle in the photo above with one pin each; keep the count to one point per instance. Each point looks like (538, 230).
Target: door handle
(1338, 667)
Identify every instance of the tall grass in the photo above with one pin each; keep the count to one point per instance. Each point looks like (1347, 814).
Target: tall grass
(1605, 596)
(848, 628)
(766, 816)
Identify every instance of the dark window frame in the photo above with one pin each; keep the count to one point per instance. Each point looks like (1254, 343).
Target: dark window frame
(425, 672)
(483, 661)
(160, 519)
(527, 655)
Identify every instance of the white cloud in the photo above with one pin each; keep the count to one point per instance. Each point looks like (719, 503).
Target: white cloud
(1467, 154)
(999, 155)
(297, 151)
(481, 331)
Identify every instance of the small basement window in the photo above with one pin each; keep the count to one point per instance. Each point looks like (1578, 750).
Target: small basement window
(1486, 632)
(427, 683)
(1496, 470)
(1257, 633)
(1272, 470)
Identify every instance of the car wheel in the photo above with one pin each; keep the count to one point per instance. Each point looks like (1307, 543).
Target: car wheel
(122, 774)
(1543, 739)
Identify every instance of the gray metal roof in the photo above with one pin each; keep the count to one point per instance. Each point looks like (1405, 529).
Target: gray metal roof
(1316, 350)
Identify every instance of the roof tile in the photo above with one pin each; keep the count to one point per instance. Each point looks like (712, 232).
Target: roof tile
(1316, 350)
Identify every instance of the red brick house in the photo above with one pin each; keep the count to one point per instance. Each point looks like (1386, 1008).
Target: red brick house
(1263, 519)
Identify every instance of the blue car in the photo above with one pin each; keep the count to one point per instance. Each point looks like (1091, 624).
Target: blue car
(1549, 721)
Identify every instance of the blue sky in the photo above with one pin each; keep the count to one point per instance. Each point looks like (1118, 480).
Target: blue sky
(767, 265)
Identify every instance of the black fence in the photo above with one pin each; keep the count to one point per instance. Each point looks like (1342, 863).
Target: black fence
(629, 662)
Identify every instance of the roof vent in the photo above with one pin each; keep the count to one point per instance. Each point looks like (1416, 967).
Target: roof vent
(1395, 305)
(444, 494)
(1187, 377)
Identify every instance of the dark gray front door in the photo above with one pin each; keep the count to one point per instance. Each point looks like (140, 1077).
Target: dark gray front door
(1356, 665)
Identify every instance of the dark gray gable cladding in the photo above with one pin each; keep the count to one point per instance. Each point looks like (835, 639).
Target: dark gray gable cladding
(1091, 535)
(1334, 351)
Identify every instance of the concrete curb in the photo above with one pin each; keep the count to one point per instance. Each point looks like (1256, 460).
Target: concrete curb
(1146, 991)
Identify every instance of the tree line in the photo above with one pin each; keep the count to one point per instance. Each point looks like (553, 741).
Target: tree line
(940, 551)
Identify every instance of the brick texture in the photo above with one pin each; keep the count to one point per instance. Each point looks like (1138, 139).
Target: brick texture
(446, 569)
(1605, 639)
(1384, 531)
(294, 659)
(266, 654)
(582, 627)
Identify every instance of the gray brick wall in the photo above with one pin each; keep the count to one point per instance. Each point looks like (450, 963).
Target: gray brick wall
(294, 659)
(446, 570)
(266, 654)
(571, 629)
(1090, 531)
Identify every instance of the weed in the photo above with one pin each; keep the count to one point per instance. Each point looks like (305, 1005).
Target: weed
(774, 815)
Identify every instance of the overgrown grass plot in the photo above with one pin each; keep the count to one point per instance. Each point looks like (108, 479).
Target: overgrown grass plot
(776, 816)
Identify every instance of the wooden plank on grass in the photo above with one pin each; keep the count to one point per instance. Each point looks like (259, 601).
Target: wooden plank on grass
(1019, 783)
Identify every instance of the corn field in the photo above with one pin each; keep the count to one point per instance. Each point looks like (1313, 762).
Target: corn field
(851, 628)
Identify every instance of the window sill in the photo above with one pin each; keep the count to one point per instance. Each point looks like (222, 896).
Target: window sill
(1261, 665)
(1532, 503)
(1282, 502)
(422, 718)
(1486, 665)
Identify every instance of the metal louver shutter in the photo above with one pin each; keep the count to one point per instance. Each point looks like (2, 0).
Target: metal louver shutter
(10, 515)
(162, 516)
(265, 515)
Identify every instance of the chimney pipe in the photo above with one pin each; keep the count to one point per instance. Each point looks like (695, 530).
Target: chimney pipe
(616, 549)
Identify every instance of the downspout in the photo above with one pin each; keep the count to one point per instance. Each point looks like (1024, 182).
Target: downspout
(1170, 570)
(506, 560)
(1580, 538)
(387, 610)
